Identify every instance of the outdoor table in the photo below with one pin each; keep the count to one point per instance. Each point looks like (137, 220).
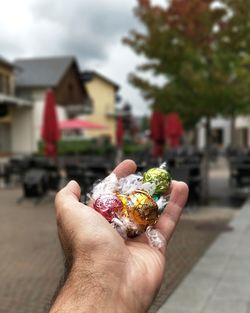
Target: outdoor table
(240, 174)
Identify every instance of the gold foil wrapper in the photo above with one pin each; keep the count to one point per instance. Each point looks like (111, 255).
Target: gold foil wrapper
(142, 209)
(124, 200)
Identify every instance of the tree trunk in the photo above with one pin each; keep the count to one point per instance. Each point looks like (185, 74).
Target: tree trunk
(205, 174)
(233, 132)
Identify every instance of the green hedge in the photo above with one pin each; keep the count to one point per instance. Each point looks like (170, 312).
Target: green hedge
(132, 148)
(80, 146)
(76, 146)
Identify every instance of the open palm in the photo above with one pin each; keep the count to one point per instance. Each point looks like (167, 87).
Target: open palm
(131, 269)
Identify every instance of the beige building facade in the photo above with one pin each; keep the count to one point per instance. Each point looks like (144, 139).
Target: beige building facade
(62, 75)
(16, 123)
(102, 93)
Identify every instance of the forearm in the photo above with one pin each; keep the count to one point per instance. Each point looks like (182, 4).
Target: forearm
(87, 291)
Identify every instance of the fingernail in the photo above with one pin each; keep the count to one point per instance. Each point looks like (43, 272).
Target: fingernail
(71, 183)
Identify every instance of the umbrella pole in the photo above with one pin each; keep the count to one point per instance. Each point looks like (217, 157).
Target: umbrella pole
(119, 155)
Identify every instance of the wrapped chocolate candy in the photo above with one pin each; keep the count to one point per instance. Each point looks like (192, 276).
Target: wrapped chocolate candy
(133, 204)
(108, 206)
(142, 208)
(160, 177)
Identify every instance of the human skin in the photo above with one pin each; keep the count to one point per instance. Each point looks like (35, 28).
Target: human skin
(105, 272)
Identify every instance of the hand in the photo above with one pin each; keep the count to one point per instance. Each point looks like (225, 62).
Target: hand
(106, 273)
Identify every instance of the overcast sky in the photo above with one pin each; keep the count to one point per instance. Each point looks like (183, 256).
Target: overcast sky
(89, 29)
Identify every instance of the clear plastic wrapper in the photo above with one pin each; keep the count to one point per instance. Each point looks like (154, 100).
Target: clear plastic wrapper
(133, 204)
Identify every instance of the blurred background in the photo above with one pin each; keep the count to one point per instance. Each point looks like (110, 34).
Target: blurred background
(87, 84)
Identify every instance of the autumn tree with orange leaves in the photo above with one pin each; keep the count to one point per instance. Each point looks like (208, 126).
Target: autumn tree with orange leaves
(202, 49)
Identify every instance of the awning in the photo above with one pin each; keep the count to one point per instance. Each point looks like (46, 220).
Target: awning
(6, 99)
(80, 124)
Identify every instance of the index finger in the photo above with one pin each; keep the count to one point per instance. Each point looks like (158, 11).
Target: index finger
(171, 215)
(125, 168)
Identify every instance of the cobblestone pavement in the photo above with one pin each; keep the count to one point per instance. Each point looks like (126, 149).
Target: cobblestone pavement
(30, 255)
(31, 261)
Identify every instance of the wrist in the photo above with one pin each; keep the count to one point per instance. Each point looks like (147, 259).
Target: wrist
(88, 289)
(105, 288)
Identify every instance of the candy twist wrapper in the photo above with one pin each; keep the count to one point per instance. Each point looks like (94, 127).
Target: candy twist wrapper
(134, 203)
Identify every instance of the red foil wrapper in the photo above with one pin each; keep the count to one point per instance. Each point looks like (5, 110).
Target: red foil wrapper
(108, 206)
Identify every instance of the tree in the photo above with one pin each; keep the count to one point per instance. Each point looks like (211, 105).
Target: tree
(194, 45)
(234, 45)
(144, 125)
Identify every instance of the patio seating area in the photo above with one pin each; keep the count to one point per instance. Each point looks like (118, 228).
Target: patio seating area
(38, 175)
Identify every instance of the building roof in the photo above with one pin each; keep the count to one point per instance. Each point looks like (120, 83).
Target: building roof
(89, 75)
(42, 72)
(6, 62)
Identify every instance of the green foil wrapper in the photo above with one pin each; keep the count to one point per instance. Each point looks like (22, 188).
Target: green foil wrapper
(160, 177)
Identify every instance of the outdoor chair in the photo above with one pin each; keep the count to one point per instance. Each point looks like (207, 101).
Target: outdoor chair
(41, 162)
(180, 174)
(16, 168)
(93, 173)
(87, 174)
(41, 176)
(75, 172)
(240, 170)
(5, 174)
(240, 159)
(53, 178)
(192, 159)
(35, 185)
(191, 175)
(52, 171)
(240, 175)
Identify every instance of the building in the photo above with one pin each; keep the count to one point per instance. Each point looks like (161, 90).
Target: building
(34, 76)
(242, 124)
(16, 125)
(103, 94)
(221, 129)
(23, 87)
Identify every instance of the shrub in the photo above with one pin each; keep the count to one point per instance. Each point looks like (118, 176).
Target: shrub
(80, 146)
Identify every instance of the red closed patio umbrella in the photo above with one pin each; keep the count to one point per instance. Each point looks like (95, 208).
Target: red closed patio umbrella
(50, 130)
(173, 129)
(157, 133)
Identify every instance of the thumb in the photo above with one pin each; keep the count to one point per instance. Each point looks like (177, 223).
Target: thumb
(73, 188)
(69, 194)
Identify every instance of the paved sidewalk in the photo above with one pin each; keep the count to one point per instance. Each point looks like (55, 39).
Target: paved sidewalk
(220, 281)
